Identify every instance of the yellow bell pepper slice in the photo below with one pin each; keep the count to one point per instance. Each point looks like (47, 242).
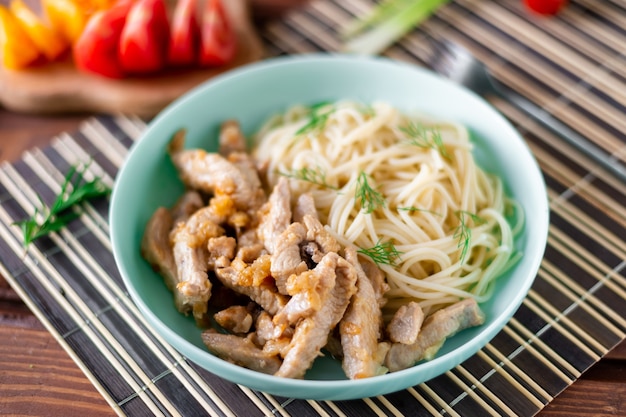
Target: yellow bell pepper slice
(67, 17)
(47, 40)
(94, 5)
(17, 50)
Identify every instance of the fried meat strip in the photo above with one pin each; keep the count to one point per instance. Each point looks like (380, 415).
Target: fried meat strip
(305, 205)
(221, 251)
(436, 329)
(299, 242)
(231, 139)
(240, 351)
(234, 175)
(360, 328)
(406, 324)
(377, 279)
(189, 240)
(275, 215)
(254, 281)
(235, 319)
(286, 260)
(187, 204)
(316, 232)
(249, 247)
(156, 248)
(266, 334)
(155, 244)
(308, 290)
(312, 332)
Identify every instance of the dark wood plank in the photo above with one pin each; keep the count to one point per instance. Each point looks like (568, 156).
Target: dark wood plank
(601, 392)
(39, 378)
(19, 132)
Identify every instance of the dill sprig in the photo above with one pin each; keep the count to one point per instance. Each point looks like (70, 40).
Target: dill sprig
(383, 253)
(74, 191)
(425, 137)
(318, 116)
(423, 210)
(369, 198)
(315, 176)
(463, 232)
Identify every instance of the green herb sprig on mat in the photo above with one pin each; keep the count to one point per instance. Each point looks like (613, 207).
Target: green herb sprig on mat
(74, 191)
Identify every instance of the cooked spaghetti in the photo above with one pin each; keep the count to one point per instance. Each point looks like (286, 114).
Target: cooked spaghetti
(404, 189)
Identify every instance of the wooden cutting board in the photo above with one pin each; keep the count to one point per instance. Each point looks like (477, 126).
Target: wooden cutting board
(60, 88)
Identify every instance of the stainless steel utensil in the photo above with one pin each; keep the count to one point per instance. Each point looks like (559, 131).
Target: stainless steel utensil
(458, 64)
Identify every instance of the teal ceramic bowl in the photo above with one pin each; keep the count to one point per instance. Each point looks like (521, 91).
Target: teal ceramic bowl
(253, 93)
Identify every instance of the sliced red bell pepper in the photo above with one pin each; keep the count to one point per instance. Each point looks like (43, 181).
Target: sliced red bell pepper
(96, 50)
(219, 40)
(145, 37)
(185, 34)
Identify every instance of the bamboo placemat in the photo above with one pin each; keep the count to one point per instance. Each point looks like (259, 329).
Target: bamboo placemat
(572, 65)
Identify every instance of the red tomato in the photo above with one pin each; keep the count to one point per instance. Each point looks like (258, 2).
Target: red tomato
(185, 34)
(144, 40)
(219, 40)
(546, 7)
(96, 48)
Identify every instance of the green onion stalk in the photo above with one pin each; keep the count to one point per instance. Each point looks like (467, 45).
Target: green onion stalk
(385, 24)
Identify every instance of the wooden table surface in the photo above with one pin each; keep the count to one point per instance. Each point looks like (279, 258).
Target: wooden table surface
(37, 377)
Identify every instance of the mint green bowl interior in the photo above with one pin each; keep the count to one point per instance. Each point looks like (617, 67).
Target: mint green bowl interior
(253, 93)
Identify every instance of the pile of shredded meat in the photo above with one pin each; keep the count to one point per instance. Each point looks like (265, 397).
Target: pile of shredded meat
(268, 284)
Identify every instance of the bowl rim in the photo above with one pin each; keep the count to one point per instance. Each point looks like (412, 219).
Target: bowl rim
(243, 375)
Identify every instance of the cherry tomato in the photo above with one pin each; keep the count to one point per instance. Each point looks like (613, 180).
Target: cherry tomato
(97, 48)
(47, 40)
(17, 50)
(185, 34)
(145, 37)
(218, 38)
(545, 7)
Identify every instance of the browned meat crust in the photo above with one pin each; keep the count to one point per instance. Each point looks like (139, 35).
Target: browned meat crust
(234, 175)
(189, 241)
(240, 351)
(312, 332)
(406, 324)
(156, 247)
(275, 215)
(437, 328)
(286, 260)
(264, 291)
(360, 328)
(305, 205)
(231, 138)
(235, 319)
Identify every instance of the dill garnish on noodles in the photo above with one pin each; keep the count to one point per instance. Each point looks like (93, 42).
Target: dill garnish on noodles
(407, 182)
